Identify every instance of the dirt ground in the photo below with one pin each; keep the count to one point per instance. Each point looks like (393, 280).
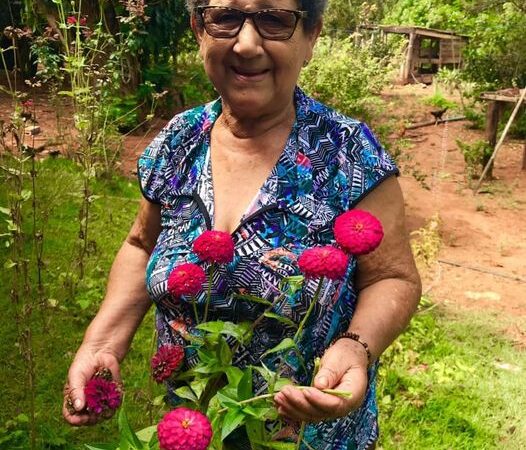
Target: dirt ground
(481, 262)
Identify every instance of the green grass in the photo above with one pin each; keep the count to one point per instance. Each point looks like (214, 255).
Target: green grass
(440, 386)
(58, 326)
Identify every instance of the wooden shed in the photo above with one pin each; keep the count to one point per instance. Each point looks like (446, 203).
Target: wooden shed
(427, 50)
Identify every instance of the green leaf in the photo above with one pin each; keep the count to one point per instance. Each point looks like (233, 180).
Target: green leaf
(186, 393)
(198, 386)
(234, 375)
(255, 430)
(146, 434)
(252, 298)
(9, 264)
(282, 319)
(233, 419)
(267, 374)
(294, 282)
(127, 434)
(277, 445)
(6, 211)
(285, 344)
(244, 388)
(158, 401)
(101, 446)
(26, 194)
(261, 412)
(225, 353)
(238, 331)
(226, 402)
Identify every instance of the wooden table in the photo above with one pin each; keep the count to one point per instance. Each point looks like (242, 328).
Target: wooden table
(497, 101)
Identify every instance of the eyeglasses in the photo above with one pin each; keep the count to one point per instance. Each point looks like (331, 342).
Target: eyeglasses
(274, 24)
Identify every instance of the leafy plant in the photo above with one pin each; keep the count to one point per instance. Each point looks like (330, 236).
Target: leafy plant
(426, 242)
(345, 76)
(476, 156)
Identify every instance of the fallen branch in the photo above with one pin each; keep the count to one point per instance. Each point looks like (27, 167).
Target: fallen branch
(482, 270)
(435, 122)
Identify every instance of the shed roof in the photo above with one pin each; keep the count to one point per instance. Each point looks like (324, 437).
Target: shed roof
(421, 31)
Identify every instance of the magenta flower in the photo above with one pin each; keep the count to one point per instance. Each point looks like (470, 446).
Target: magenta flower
(71, 20)
(186, 279)
(167, 360)
(214, 247)
(184, 429)
(102, 396)
(358, 232)
(329, 262)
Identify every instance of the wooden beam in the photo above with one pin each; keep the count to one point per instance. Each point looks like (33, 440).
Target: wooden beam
(499, 98)
(501, 140)
(492, 128)
(434, 122)
(408, 68)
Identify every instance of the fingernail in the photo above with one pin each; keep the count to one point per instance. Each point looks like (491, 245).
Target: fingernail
(78, 404)
(322, 381)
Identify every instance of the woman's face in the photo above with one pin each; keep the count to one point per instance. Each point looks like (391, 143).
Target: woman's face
(253, 75)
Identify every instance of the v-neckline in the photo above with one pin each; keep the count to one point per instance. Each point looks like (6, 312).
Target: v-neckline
(267, 194)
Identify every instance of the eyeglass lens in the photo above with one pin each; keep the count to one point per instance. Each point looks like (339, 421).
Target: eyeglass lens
(227, 22)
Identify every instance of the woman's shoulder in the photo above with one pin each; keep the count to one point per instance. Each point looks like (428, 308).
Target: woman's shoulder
(193, 120)
(345, 133)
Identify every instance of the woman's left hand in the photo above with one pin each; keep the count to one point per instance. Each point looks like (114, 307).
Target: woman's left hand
(343, 368)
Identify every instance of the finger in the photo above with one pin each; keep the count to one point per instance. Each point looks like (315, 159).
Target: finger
(337, 360)
(329, 405)
(295, 415)
(298, 406)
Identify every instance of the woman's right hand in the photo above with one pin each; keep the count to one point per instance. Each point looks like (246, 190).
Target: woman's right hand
(87, 361)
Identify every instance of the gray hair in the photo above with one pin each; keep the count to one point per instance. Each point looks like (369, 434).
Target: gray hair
(314, 8)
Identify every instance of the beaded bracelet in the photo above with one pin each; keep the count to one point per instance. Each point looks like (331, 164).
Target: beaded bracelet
(355, 337)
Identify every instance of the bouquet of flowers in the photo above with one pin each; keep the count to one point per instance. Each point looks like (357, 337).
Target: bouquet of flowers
(216, 397)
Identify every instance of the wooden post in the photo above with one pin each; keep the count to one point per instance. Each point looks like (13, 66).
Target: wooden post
(408, 68)
(501, 140)
(492, 128)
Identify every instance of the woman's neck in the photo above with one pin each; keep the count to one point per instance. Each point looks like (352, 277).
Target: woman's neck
(250, 127)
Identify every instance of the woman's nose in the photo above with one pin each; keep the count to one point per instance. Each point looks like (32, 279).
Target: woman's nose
(248, 43)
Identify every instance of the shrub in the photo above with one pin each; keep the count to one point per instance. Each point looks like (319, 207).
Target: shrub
(346, 77)
(476, 156)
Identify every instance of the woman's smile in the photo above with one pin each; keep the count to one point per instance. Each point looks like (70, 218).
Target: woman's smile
(250, 74)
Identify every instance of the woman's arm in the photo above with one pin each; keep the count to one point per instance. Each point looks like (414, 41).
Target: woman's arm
(389, 291)
(109, 335)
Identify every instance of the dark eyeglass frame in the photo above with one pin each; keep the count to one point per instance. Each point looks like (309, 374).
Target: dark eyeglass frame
(201, 10)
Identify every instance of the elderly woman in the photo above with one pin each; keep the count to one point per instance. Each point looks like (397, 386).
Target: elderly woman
(274, 168)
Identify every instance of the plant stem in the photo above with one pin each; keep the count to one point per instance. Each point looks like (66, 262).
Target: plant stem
(309, 311)
(335, 392)
(194, 305)
(209, 290)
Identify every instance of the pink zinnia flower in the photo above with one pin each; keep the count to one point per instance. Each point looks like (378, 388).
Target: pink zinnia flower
(184, 429)
(186, 279)
(102, 395)
(71, 20)
(167, 360)
(215, 247)
(358, 232)
(329, 262)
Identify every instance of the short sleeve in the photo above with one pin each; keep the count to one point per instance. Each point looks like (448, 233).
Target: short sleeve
(370, 164)
(152, 164)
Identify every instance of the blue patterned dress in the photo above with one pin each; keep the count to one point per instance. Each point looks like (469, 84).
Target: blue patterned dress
(329, 163)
